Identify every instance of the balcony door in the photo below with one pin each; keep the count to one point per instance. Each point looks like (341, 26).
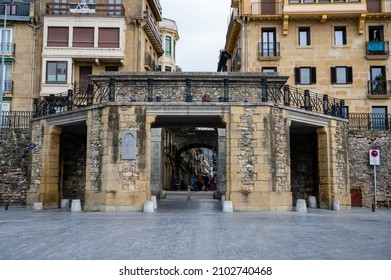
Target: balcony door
(379, 118)
(84, 77)
(378, 81)
(7, 35)
(268, 42)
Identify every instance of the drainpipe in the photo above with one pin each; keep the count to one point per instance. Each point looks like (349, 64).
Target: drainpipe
(34, 27)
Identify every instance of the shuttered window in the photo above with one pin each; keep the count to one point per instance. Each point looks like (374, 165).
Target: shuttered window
(305, 75)
(58, 36)
(108, 38)
(83, 37)
(341, 75)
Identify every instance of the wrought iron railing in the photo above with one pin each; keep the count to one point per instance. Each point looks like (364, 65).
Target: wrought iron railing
(237, 60)
(369, 121)
(268, 49)
(149, 63)
(94, 9)
(379, 87)
(187, 90)
(15, 119)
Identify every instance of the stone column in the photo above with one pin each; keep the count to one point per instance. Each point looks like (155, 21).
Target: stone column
(221, 161)
(50, 172)
(156, 161)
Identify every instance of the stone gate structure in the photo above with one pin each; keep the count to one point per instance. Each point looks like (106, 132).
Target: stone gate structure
(109, 148)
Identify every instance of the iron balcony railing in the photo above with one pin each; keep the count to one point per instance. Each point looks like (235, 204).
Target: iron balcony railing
(187, 90)
(149, 63)
(377, 48)
(271, 49)
(237, 60)
(15, 12)
(53, 8)
(379, 87)
(15, 119)
(9, 48)
(369, 121)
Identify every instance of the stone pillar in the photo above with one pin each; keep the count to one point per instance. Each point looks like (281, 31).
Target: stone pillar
(50, 172)
(221, 161)
(325, 155)
(156, 161)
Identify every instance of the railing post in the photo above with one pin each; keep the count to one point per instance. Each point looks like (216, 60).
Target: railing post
(287, 96)
(69, 100)
(264, 90)
(326, 104)
(90, 91)
(150, 90)
(51, 104)
(226, 90)
(112, 90)
(307, 100)
(341, 108)
(35, 102)
(189, 98)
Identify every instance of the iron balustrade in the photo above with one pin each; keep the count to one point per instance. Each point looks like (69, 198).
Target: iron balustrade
(379, 87)
(99, 9)
(369, 121)
(377, 48)
(125, 91)
(15, 119)
(268, 49)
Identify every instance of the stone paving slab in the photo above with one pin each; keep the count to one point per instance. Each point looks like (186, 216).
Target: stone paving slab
(195, 229)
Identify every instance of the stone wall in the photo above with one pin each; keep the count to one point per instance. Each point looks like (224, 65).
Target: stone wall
(362, 173)
(14, 159)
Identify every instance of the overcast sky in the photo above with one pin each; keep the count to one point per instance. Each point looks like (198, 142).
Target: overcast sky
(202, 31)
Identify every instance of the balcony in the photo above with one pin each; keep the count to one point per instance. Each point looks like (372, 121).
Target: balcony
(156, 8)
(377, 50)
(369, 121)
(9, 49)
(149, 63)
(8, 86)
(378, 89)
(84, 9)
(268, 51)
(266, 8)
(16, 12)
(233, 32)
(153, 34)
(325, 7)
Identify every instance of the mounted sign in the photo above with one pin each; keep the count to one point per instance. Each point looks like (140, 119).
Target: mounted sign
(374, 157)
(81, 8)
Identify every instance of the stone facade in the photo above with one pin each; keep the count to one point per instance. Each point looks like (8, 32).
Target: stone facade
(14, 166)
(362, 173)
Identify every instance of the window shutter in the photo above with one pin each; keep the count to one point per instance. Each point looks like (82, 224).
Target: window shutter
(313, 75)
(333, 74)
(349, 78)
(297, 75)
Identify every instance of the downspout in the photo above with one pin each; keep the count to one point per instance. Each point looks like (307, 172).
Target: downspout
(35, 27)
(245, 38)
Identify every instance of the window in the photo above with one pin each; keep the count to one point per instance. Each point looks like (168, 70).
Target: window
(378, 82)
(341, 75)
(60, 9)
(7, 41)
(167, 69)
(268, 42)
(114, 5)
(305, 75)
(56, 72)
(108, 38)
(168, 45)
(269, 69)
(83, 37)
(304, 36)
(339, 35)
(57, 37)
(7, 78)
(111, 68)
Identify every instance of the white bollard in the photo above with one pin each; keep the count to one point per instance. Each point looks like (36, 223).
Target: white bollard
(312, 202)
(148, 207)
(76, 205)
(336, 205)
(227, 206)
(65, 203)
(38, 206)
(301, 206)
(154, 201)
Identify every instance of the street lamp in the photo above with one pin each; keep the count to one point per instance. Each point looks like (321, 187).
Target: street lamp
(4, 3)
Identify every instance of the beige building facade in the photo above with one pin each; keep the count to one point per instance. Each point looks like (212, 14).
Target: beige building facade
(338, 48)
(170, 36)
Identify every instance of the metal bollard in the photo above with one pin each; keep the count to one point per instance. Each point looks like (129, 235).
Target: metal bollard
(188, 193)
(6, 205)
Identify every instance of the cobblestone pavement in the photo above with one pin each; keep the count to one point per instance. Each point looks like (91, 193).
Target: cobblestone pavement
(195, 229)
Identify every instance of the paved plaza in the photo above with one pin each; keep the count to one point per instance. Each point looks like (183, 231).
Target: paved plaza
(195, 229)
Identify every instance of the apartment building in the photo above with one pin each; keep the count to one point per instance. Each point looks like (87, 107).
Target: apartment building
(334, 47)
(17, 43)
(170, 36)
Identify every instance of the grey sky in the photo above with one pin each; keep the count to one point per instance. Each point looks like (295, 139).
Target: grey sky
(202, 31)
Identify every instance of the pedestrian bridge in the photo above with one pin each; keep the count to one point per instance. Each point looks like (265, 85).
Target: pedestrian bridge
(124, 138)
